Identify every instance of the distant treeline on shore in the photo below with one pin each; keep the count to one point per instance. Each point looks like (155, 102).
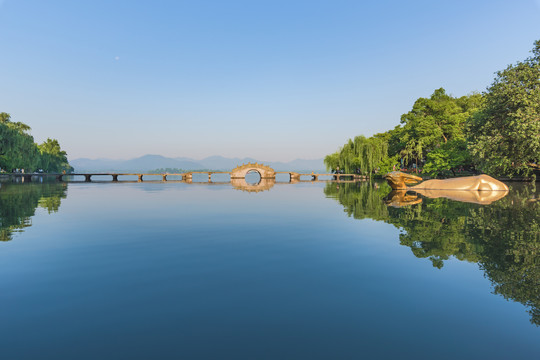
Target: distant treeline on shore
(496, 132)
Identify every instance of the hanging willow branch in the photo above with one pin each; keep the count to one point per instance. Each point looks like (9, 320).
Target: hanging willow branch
(361, 155)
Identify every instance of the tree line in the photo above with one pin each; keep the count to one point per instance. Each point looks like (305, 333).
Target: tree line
(496, 132)
(19, 151)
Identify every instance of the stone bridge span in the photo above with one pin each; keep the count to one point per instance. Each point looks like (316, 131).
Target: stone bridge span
(241, 171)
(238, 173)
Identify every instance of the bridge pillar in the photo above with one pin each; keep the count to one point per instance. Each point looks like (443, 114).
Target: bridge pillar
(87, 177)
(140, 177)
(209, 177)
(115, 177)
(164, 177)
(60, 177)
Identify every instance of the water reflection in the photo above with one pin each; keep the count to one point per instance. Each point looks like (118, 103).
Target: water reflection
(503, 237)
(252, 186)
(18, 203)
(486, 197)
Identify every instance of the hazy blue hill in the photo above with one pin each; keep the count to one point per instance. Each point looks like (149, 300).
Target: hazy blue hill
(143, 163)
(84, 164)
(151, 162)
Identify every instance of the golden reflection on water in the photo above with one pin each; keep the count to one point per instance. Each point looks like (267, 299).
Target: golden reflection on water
(398, 198)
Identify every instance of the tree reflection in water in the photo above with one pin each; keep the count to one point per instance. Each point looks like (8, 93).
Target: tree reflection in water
(503, 237)
(18, 203)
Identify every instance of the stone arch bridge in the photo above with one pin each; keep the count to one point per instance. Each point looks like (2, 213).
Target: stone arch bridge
(240, 172)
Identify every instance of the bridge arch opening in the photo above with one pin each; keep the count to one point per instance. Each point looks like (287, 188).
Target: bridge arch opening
(253, 177)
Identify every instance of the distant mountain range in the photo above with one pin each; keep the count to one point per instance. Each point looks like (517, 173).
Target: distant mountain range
(152, 162)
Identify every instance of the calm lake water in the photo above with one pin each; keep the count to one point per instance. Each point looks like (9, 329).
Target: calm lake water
(300, 271)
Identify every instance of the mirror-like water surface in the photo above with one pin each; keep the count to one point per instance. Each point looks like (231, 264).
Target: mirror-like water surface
(314, 271)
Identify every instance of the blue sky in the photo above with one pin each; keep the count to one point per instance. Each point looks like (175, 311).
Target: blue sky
(270, 79)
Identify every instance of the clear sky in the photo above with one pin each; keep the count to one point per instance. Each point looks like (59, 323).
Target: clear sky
(270, 79)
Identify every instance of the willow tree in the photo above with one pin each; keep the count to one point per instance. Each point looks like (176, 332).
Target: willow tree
(331, 161)
(359, 155)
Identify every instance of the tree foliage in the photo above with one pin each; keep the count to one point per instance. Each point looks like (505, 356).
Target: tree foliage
(497, 132)
(433, 132)
(18, 150)
(53, 158)
(17, 147)
(361, 155)
(447, 158)
(505, 135)
(438, 119)
(436, 124)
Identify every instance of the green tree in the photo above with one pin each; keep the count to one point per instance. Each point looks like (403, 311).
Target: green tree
(436, 124)
(447, 158)
(360, 154)
(332, 161)
(19, 151)
(505, 135)
(433, 122)
(17, 147)
(53, 158)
